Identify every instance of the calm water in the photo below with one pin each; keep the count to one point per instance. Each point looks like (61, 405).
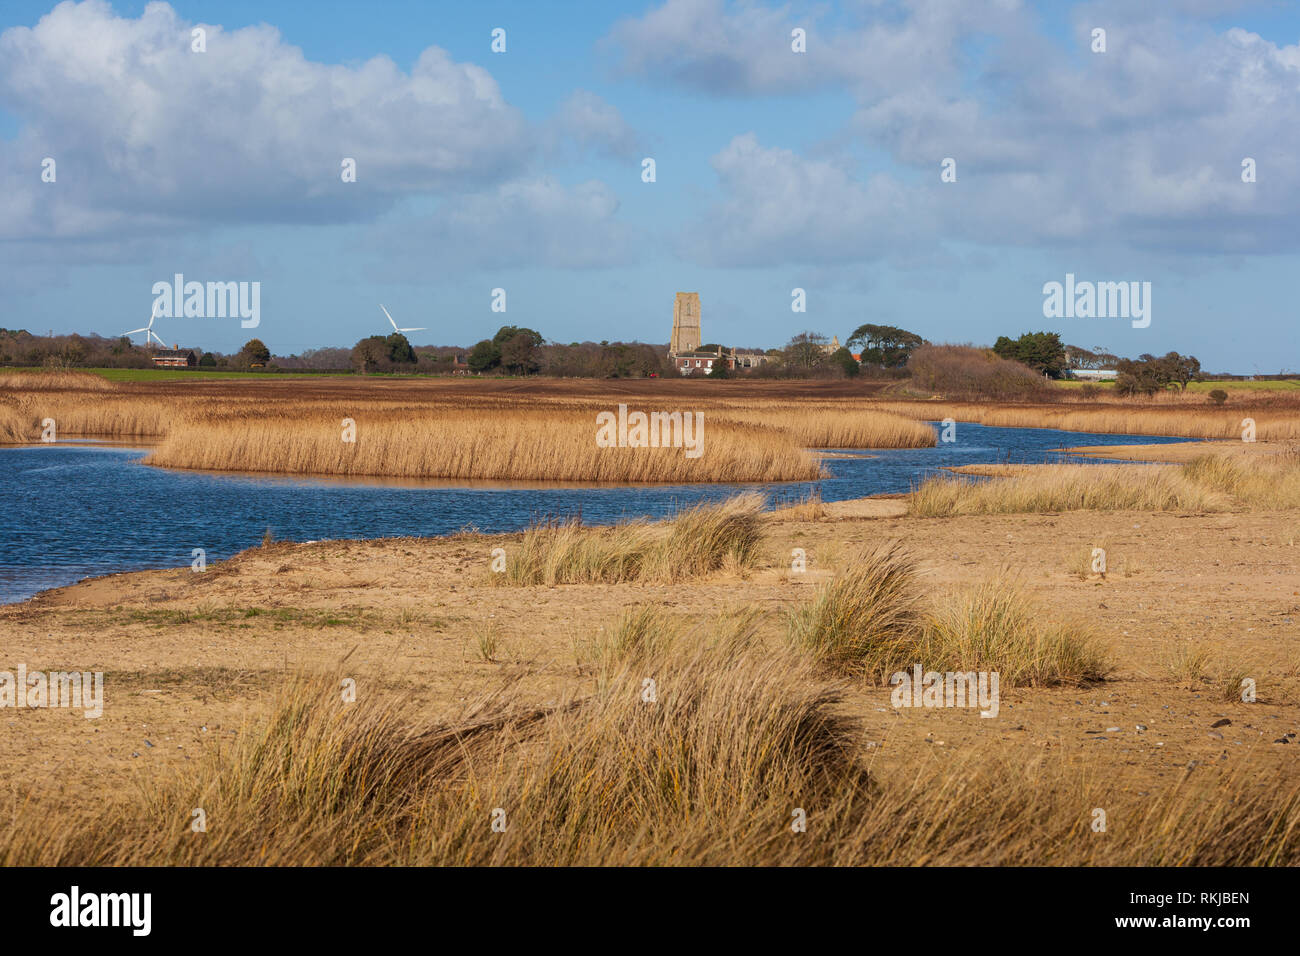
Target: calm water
(71, 512)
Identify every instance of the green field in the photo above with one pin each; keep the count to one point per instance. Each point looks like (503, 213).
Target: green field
(1268, 384)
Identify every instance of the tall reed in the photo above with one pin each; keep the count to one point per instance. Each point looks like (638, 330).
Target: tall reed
(1067, 488)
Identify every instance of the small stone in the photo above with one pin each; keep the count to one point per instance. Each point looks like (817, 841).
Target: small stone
(1141, 727)
(148, 743)
(1215, 734)
(1112, 730)
(1224, 722)
(1281, 740)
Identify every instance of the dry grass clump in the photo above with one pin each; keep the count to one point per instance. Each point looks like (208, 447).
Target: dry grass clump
(994, 626)
(698, 540)
(1067, 488)
(862, 622)
(1271, 482)
(872, 621)
(811, 508)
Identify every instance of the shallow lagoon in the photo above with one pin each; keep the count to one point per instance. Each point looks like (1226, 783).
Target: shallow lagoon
(75, 511)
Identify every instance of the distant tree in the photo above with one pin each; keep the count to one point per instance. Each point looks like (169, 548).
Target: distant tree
(884, 345)
(719, 370)
(255, 353)
(370, 353)
(208, 361)
(399, 349)
(1218, 396)
(805, 351)
(507, 332)
(1078, 357)
(1148, 374)
(1181, 368)
(484, 356)
(519, 352)
(1041, 351)
(843, 358)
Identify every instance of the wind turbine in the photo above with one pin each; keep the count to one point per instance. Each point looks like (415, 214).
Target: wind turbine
(148, 330)
(394, 324)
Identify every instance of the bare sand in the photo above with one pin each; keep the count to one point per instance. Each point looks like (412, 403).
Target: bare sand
(190, 657)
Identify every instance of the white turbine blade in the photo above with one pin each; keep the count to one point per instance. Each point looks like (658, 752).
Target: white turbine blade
(133, 331)
(421, 329)
(390, 319)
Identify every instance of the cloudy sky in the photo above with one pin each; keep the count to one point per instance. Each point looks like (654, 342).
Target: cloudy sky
(774, 169)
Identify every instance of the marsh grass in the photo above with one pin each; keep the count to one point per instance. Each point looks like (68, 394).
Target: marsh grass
(1265, 481)
(811, 508)
(994, 626)
(707, 775)
(1081, 560)
(1187, 662)
(863, 621)
(873, 620)
(699, 540)
(487, 640)
(845, 426)
(1212, 482)
(1067, 488)
(1175, 416)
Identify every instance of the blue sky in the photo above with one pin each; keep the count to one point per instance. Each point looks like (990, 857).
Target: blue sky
(775, 170)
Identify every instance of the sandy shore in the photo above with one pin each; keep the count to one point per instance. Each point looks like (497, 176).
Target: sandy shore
(1179, 452)
(189, 657)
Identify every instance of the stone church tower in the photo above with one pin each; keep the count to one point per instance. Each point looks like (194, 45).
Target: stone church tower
(686, 323)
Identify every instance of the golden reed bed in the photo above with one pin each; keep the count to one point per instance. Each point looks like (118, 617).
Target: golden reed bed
(1188, 416)
(436, 429)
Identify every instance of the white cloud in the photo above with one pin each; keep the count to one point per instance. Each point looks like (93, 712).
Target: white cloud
(1138, 147)
(534, 222)
(587, 121)
(150, 136)
(781, 207)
